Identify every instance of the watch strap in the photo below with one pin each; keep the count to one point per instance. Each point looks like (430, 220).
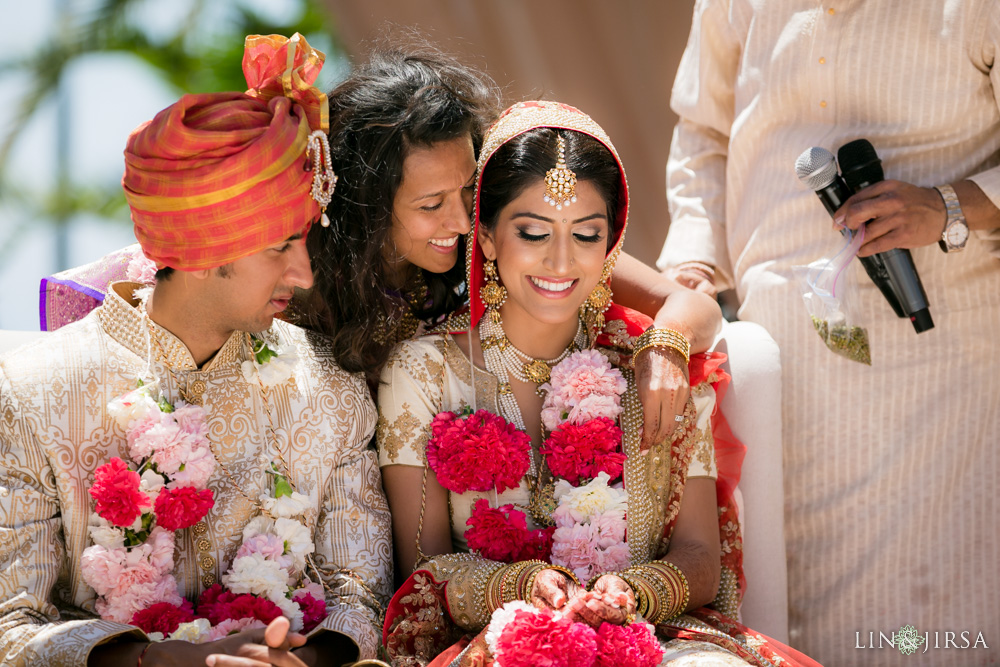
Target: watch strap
(953, 211)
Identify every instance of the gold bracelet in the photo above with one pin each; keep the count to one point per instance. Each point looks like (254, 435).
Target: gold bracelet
(653, 337)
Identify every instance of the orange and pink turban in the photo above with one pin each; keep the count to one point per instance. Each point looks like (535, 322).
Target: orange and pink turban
(219, 176)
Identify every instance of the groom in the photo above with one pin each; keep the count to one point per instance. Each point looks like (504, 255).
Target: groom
(219, 188)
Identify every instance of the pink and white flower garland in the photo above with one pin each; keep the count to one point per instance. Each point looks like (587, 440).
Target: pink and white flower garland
(482, 452)
(130, 565)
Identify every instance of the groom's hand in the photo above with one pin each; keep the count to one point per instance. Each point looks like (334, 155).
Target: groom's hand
(257, 648)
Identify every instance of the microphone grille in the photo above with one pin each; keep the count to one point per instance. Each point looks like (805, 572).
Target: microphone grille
(860, 163)
(816, 168)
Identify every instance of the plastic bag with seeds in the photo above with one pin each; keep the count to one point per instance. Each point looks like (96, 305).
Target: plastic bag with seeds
(829, 294)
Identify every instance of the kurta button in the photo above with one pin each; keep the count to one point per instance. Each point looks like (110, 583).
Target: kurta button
(822, 61)
(823, 104)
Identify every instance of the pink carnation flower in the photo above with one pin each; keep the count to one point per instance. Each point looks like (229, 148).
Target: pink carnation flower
(163, 617)
(634, 645)
(268, 545)
(535, 639)
(171, 447)
(177, 509)
(141, 270)
(134, 594)
(583, 386)
(196, 470)
(139, 445)
(477, 453)
(160, 550)
(582, 451)
(498, 534)
(116, 490)
(101, 567)
(575, 547)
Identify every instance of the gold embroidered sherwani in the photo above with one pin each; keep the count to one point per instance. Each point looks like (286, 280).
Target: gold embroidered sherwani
(54, 431)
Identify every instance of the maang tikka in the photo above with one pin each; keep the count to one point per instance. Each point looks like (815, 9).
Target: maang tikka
(560, 181)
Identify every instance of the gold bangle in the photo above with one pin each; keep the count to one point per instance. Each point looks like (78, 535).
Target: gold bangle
(671, 338)
(676, 585)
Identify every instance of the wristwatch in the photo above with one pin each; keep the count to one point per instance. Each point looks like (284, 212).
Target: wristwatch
(956, 230)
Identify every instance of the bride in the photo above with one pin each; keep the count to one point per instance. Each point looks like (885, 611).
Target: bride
(527, 460)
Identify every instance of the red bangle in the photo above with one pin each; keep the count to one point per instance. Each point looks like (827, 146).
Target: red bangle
(139, 663)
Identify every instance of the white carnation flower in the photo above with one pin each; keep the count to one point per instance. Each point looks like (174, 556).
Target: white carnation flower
(500, 618)
(285, 506)
(579, 504)
(195, 631)
(134, 405)
(155, 636)
(274, 371)
(290, 610)
(257, 525)
(104, 534)
(298, 540)
(151, 483)
(258, 575)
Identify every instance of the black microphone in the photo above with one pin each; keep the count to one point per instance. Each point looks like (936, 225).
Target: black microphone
(861, 167)
(817, 169)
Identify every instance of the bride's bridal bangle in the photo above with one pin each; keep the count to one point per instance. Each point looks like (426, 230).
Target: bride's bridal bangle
(663, 338)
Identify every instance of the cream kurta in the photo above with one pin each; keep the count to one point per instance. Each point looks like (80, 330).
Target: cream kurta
(892, 473)
(54, 431)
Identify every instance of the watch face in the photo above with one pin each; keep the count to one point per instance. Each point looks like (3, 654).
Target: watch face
(957, 235)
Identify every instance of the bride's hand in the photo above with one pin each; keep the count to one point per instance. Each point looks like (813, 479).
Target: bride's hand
(610, 601)
(553, 589)
(661, 378)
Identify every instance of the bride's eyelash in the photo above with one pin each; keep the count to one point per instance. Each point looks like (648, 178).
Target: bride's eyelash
(522, 234)
(588, 238)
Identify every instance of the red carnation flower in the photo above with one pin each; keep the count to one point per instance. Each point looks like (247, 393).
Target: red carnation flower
(214, 603)
(581, 451)
(533, 639)
(479, 452)
(163, 617)
(538, 545)
(177, 509)
(313, 610)
(217, 605)
(498, 534)
(251, 606)
(116, 490)
(632, 645)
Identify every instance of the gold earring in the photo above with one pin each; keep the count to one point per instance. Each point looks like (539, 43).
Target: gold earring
(492, 292)
(592, 310)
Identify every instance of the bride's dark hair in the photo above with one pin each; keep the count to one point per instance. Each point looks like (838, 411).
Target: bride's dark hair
(396, 101)
(525, 159)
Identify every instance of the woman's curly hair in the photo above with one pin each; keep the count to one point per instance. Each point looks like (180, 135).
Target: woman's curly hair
(398, 100)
